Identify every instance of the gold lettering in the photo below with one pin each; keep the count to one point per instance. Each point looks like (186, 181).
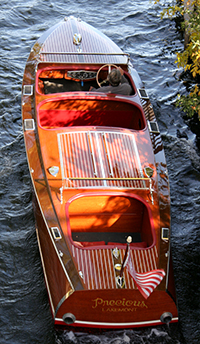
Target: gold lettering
(129, 303)
(112, 303)
(123, 302)
(97, 302)
(106, 302)
(117, 303)
(124, 310)
(144, 305)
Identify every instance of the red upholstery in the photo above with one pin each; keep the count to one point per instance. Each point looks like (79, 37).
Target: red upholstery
(63, 118)
(88, 243)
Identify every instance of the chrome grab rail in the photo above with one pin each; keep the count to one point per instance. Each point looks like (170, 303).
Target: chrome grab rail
(81, 53)
(151, 190)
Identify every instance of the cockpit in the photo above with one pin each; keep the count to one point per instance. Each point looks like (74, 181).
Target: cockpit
(69, 101)
(61, 80)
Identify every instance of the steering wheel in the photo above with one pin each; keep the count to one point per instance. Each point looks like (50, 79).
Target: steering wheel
(109, 65)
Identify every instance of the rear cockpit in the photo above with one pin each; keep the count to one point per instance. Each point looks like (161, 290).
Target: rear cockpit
(108, 219)
(59, 113)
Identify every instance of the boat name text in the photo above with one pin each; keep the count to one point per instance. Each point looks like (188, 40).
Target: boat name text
(118, 303)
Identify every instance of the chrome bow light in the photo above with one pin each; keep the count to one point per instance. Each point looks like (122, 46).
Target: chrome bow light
(77, 39)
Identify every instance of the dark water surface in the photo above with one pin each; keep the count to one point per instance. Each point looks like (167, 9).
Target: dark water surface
(136, 27)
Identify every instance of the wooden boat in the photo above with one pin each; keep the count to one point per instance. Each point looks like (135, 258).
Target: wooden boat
(99, 176)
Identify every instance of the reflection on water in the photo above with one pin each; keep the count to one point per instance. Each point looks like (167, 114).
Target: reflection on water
(137, 28)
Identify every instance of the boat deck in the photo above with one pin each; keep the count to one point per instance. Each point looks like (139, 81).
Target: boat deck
(98, 270)
(99, 159)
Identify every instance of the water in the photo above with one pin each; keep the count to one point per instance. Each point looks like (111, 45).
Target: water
(137, 28)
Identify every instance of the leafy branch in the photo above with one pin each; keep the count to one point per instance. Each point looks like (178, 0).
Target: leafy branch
(189, 58)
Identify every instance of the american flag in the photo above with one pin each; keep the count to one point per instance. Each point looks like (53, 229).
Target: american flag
(147, 281)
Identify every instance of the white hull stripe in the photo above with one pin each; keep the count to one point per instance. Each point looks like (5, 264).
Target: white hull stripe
(107, 324)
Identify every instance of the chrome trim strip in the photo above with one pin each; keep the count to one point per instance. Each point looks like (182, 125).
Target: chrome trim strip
(44, 271)
(65, 297)
(90, 144)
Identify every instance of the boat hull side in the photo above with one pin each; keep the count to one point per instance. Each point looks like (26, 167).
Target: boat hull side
(57, 280)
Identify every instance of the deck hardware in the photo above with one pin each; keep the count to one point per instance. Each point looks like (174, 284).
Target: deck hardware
(167, 254)
(56, 233)
(115, 252)
(153, 127)
(165, 234)
(148, 171)
(118, 267)
(77, 39)
(53, 170)
(85, 54)
(151, 191)
(60, 253)
(28, 90)
(61, 195)
(142, 93)
(29, 124)
(79, 50)
(69, 318)
(81, 274)
(120, 281)
(32, 170)
(166, 317)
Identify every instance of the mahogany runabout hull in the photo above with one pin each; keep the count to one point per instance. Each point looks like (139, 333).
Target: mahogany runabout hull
(100, 180)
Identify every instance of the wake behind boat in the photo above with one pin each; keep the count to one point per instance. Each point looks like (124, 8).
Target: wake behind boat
(100, 181)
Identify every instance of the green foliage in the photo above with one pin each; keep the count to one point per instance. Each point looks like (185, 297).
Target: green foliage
(190, 104)
(189, 58)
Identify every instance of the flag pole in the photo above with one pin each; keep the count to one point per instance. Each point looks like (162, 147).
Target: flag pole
(128, 240)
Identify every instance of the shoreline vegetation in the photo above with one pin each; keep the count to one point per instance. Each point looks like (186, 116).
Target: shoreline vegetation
(187, 12)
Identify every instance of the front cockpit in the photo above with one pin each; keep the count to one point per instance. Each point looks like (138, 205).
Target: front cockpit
(76, 78)
(67, 100)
